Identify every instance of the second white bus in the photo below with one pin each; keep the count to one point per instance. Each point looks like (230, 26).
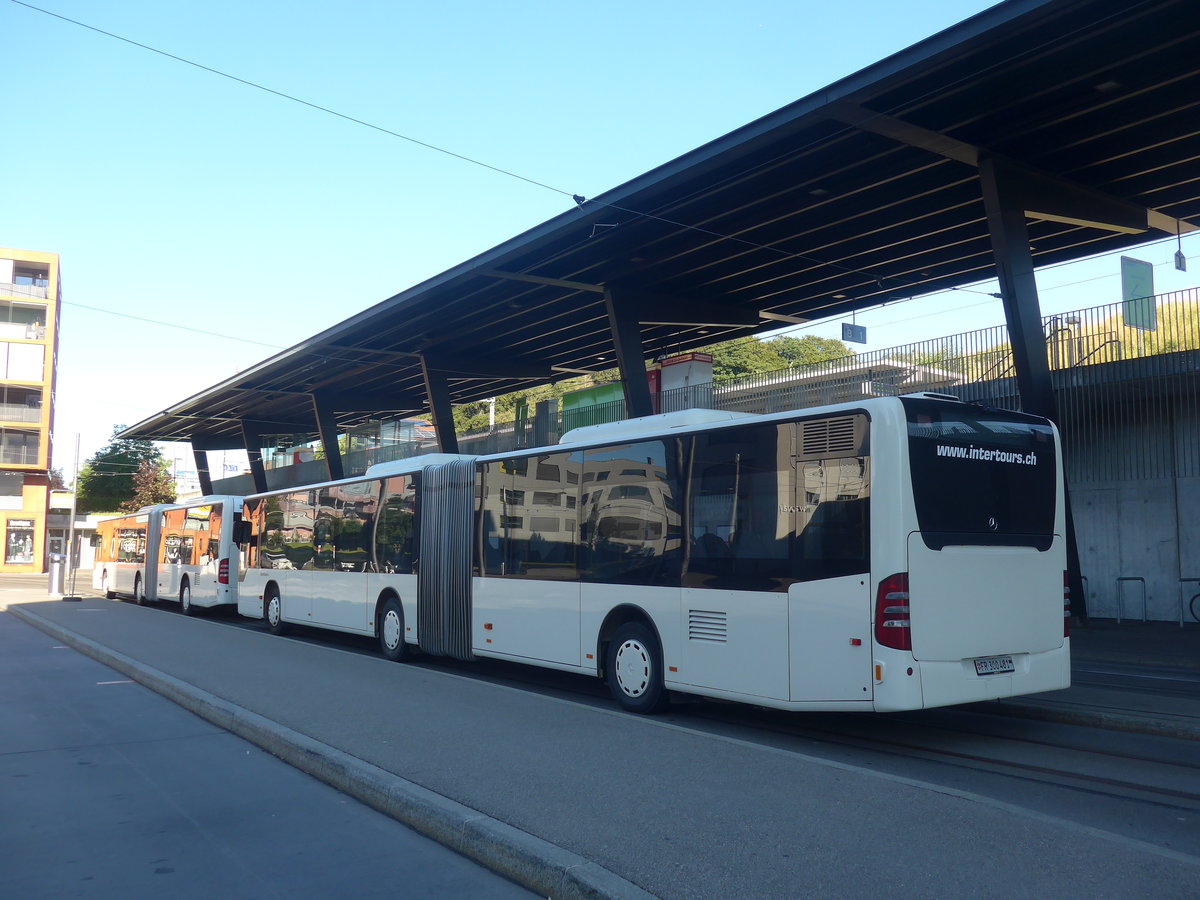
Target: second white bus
(184, 552)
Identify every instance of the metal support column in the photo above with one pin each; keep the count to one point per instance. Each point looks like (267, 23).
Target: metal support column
(627, 340)
(327, 429)
(252, 435)
(437, 390)
(1018, 289)
(202, 473)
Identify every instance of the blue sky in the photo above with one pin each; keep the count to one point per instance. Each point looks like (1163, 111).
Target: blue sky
(180, 197)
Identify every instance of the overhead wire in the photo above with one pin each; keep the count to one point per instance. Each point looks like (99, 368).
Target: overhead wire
(294, 99)
(580, 200)
(577, 198)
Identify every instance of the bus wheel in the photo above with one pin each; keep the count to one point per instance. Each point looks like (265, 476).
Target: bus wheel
(185, 598)
(108, 595)
(635, 673)
(391, 630)
(273, 610)
(137, 590)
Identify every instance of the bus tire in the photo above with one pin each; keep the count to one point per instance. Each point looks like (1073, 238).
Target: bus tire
(138, 595)
(185, 599)
(108, 595)
(273, 610)
(391, 630)
(635, 670)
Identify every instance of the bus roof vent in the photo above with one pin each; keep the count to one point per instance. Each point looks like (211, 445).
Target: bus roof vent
(829, 437)
(933, 395)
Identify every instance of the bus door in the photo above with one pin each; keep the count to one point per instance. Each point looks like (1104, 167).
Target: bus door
(174, 552)
(342, 555)
(829, 607)
(527, 602)
(734, 620)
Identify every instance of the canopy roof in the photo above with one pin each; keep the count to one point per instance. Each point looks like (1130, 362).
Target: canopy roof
(865, 191)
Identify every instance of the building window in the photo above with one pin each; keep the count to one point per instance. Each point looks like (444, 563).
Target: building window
(22, 362)
(19, 543)
(11, 490)
(31, 276)
(18, 448)
(23, 320)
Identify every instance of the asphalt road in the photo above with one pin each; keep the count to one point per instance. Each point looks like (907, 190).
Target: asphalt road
(109, 790)
(736, 804)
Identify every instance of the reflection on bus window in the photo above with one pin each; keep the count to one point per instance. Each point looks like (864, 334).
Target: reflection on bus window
(740, 527)
(631, 530)
(526, 520)
(395, 531)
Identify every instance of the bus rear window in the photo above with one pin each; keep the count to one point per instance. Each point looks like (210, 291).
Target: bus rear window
(981, 476)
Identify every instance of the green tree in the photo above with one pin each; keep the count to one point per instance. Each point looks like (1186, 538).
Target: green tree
(152, 483)
(105, 481)
(746, 356)
(804, 351)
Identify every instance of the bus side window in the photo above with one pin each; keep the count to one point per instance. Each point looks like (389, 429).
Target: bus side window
(832, 528)
(395, 532)
(739, 509)
(631, 529)
(526, 517)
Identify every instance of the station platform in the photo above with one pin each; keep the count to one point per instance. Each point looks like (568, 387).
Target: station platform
(1141, 677)
(582, 800)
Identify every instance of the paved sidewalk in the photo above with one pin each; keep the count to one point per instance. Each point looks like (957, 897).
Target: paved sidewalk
(1137, 677)
(109, 790)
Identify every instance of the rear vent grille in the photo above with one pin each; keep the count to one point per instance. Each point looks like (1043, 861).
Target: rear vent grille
(705, 625)
(828, 437)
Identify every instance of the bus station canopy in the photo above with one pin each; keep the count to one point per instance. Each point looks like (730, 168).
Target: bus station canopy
(867, 191)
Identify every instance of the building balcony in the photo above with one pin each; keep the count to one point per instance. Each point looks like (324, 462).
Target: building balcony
(15, 412)
(19, 448)
(25, 290)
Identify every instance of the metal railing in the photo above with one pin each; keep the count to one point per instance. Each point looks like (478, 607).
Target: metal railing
(1097, 363)
(18, 412)
(1096, 360)
(18, 456)
(25, 290)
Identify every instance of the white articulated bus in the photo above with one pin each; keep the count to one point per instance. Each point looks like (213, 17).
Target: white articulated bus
(893, 554)
(185, 552)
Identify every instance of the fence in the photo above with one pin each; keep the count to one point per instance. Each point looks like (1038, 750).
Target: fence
(1129, 412)
(1108, 376)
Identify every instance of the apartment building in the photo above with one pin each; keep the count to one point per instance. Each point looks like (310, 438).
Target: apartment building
(29, 303)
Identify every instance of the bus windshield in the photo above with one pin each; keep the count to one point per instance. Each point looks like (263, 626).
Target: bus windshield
(981, 476)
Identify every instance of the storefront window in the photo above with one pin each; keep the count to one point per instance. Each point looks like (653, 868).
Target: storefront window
(19, 546)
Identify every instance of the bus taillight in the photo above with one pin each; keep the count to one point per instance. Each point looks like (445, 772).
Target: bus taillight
(893, 627)
(223, 571)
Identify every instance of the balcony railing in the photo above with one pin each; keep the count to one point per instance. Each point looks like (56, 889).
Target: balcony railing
(25, 290)
(18, 456)
(22, 331)
(17, 412)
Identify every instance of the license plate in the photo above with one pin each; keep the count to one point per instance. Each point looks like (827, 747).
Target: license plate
(994, 665)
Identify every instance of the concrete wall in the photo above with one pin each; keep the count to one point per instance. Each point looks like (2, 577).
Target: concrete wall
(1129, 530)
(1137, 513)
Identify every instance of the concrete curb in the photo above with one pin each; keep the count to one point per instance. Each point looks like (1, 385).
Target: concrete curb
(530, 861)
(1163, 726)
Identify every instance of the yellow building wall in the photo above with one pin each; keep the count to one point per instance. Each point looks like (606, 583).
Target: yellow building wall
(20, 550)
(23, 541)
